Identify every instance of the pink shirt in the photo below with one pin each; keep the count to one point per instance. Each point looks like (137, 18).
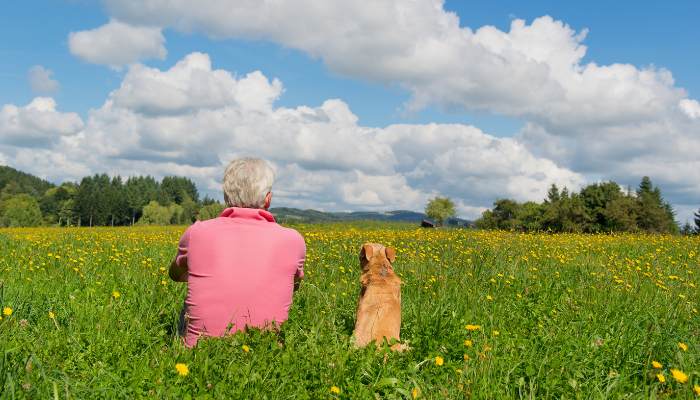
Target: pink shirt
(241, 268)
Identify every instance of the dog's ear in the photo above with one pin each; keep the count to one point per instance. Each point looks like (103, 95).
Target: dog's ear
(390, 254)
(366, 252)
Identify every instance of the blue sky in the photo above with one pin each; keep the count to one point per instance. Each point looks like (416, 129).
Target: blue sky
(530, 139)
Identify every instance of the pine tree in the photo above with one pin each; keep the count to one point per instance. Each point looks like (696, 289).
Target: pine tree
(645, 186)
(553, 194)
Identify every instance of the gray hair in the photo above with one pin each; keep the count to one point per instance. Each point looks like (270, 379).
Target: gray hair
(247, 181)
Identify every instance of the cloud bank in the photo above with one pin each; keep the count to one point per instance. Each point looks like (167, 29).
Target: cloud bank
(192, 120)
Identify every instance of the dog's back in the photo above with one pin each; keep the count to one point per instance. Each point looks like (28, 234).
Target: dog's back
(379, 305)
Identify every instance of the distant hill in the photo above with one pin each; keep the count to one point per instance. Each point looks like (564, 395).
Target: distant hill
(313, 216)
(25, 183)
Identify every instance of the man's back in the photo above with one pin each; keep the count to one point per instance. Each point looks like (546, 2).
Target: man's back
(241, 269)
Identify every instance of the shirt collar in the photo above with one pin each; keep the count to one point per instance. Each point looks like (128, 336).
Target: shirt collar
(253, 214)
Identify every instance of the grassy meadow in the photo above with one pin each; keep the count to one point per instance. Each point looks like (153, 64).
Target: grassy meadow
(90, 313)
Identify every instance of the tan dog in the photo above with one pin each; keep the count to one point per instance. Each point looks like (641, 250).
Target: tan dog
(379, 306)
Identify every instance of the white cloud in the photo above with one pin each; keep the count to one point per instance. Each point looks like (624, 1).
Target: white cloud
(37, 124)
(532, 71)
(40, 80)
(690, 107)
(192, 85)
(117, 43)
(192, 120)
(55, 166)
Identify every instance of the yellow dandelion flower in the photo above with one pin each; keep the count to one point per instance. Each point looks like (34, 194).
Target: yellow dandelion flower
(115, 294)
(459, 371)
(679, 376)
(682, 346)
(488, 298)
(473, 327)
(182, 369)
(335, 389)
(245, 348)
(51, 315)
(7, 311)
(415, 393)
(656, 365)
(661, 378)
(439, 360)
(696, 389)
(468, 343)
(496, 333)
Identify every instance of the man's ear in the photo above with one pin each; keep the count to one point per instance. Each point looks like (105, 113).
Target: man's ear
(390, 254)
(366, 252)
(268, 200)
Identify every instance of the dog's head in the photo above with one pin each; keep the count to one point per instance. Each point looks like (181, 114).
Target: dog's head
(372, 254)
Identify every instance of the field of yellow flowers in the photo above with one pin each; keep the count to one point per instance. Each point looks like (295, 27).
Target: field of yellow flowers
(91, 313)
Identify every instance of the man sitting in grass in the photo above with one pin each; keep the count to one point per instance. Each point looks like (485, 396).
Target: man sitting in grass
(241, 268)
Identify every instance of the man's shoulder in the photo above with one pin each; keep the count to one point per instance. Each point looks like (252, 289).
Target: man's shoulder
(288, 232)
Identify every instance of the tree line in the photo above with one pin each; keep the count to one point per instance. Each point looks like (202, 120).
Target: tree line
(599, 207)
(99, 200)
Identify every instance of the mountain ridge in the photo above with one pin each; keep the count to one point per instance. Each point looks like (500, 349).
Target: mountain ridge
(314, 216)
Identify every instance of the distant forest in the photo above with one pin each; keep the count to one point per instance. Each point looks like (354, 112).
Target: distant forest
(99, 200)
(26, 200)
(599, 207)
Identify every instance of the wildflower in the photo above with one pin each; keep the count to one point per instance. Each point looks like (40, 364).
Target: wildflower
(696, 389)
(473, 327)
(679, 376)
(245, 348)
(51, 315)
(661, 378)
(439, 360)
(682, 346)
(496, 333)
(459, 371)
(656, 365)
(116, 294)
(7, 311)
(415, 393)
(468, 343)
(182, 369)
(163, 282)
(488, 298)
(335, 389)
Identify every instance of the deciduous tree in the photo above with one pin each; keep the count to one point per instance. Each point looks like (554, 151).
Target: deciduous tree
(440, 209)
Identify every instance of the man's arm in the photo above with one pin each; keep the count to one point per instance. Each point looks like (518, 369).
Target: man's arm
(177, 273)
(297, 283)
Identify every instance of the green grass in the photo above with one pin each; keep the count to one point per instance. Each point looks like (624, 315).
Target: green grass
(577, 316)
